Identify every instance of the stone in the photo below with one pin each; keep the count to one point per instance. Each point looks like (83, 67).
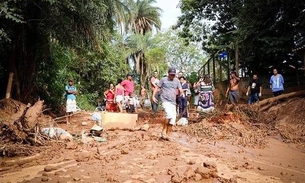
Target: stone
(145, 127)
(210, 165)
(197, 177)
(76, 179)
(124, 151)
(203, 171)
(189, 173)
(49, 168)
(191, 162)
(176, 178)
(71, 145)
(45, 179)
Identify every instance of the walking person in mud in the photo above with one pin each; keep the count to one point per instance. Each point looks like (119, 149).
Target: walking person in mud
(255, 89)
(233, 89)
(277, 83)
(71, 100)
(168, 86)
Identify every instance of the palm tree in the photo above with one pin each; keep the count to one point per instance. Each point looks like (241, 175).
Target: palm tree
(143, 16)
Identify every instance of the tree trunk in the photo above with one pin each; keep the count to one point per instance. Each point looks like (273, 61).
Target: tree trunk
(269, 102)
(236, 59)
(9, 86)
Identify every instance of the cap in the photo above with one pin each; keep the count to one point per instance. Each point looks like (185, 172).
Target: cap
(172, 70)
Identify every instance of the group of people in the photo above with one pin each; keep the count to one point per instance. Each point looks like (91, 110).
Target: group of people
(121, 95)
(174, 91)
(254, 89)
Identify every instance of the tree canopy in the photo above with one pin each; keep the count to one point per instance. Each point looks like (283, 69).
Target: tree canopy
(264, 31)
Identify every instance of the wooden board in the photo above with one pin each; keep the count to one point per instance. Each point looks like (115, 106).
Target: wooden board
(112, 120)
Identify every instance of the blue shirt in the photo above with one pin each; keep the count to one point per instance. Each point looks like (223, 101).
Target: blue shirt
(277, 83)
(70, 95)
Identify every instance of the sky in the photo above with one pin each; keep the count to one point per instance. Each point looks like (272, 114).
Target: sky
(170, 12)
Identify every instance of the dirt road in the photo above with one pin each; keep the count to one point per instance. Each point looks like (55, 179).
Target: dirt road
(140, 156)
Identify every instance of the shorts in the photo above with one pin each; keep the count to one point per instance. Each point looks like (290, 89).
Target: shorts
(71, 105)
(196, 99)
(233, 95)
(170, 111)
(119, 98)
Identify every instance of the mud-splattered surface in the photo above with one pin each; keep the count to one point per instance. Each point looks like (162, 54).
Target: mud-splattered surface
(209, 151)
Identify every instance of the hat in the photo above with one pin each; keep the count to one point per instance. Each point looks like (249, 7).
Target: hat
(172, 70)
(70, 79)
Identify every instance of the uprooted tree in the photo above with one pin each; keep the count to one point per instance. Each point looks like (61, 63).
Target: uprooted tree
(26, 128)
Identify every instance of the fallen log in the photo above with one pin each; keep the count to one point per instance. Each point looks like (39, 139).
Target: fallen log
(269, 102)
(25, 129)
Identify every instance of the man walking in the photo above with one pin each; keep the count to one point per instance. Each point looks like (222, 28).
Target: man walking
(255, 89)
(277, 83)
(168, 86)
(71, 100)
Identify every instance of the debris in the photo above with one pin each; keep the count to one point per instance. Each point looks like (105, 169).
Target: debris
(145, 127)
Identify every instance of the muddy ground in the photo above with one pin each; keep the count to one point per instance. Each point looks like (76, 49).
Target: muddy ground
(220, 147)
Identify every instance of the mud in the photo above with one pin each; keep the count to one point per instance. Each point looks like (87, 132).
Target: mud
(222, 147)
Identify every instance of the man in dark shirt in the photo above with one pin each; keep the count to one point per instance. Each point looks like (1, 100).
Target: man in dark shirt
(255, 89)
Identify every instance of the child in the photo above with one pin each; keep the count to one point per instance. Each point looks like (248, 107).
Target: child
(131, 106)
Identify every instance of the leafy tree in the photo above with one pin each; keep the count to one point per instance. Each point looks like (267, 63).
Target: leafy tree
(261, 33)
(180, 52)
(30, 27)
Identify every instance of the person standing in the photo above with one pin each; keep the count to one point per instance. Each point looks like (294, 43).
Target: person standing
(71, 100)
(277, 83)
(119, 94)
(109, 95)
(153, 84)
(233, 89)
(196, 87)
(168, 85)
(182, 98)
(129, 86)
(143, 96)
(255, 88)
(205, 103)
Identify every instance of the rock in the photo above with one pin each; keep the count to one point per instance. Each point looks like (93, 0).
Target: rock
(189, 173)
(145, 127)
(197, 177)
(191, 162)
(210, 165)
(150, 180)
(84, 123)
(203, 171)
(76, 179)
(45, 179)
(124, 151)
(49, 168)
(176, 178)
(84, 156)
(71, 145)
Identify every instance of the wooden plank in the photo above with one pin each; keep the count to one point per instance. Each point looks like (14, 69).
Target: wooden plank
(112, 120)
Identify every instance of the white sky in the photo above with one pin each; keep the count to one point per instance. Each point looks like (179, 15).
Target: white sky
(170, 12)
